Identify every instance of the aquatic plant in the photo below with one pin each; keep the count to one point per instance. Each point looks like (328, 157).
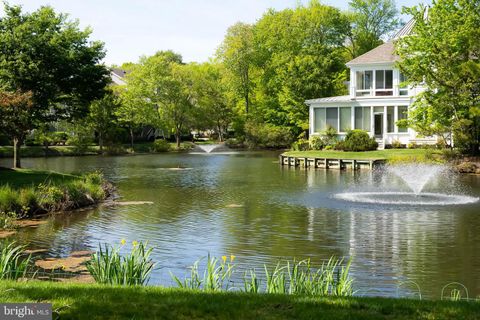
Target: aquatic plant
(216, 276)
(13, 262)
(108, 266)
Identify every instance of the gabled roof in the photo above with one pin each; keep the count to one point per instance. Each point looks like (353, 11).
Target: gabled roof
(118, 76)
(384, 53)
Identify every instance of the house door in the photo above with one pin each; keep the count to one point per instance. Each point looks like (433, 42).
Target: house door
(378, 123)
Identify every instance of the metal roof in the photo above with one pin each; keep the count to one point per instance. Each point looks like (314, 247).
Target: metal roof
(330, 99)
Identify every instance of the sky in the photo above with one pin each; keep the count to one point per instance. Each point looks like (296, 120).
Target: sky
(193, 28)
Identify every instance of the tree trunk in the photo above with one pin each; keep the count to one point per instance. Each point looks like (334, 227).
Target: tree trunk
(131, 138)
(177, 138)
(100, 142)
(16, 153)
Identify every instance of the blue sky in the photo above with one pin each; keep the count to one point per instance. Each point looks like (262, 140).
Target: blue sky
(193, 28)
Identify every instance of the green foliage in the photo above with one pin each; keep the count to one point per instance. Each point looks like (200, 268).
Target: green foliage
(396, 144)
(441, 54)
(301, 144)
(13, 263)
(359, 140)
(316, 143)
(267, 136)
(9, 201)
(161, 145)
(102, 118)
(235, 143)
(7, 220)
(108, 266)
(371, 20)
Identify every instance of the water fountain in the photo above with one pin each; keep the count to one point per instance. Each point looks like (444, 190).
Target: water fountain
(208, 147)
(416, 177)
(218, 148)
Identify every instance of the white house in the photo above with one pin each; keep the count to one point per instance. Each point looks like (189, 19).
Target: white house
(376, 99)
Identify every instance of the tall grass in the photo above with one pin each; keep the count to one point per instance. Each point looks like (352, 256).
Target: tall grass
(13, 263)
(297, 277)
(108, 266)
(216, 276)
(53, 196)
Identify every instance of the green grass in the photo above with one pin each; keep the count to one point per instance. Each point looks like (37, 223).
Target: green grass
(25, 177)
(387, 154)
(92, 301)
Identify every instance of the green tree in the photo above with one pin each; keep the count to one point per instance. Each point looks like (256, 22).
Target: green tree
(160, 90)
(237, 54)
(16, 118)
(442, 56)
(213, 110)
(102, 117)
(371, 20)
(44, 53)
(301, 55)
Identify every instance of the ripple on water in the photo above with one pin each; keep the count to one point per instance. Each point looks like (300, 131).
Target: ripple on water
(406, 198)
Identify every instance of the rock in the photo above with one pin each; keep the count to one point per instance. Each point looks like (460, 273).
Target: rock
(6, 233)
(234, 205)
(74, 263)
(466, 167)
(29, 223)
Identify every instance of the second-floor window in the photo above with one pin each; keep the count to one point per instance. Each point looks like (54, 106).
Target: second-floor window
(403, 89)
(384, 82)
(364, 82)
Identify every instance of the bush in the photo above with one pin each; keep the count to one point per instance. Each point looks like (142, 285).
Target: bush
(451, 154)
(161, 145)
(301, 145)
(266, 135)
(316, 143)
(359, 140)
(330, 136)
(28, 199)
(50, 197)
(235, 143)
(396, 144)
(412, 145)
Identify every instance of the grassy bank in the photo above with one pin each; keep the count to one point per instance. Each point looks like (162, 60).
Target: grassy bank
(391, 155)
(91, 301)
(59, 151)
(26, 192)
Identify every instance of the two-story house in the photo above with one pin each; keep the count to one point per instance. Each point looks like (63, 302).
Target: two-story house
(376, 101)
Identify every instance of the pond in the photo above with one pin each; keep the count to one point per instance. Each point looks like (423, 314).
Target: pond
(247, 205)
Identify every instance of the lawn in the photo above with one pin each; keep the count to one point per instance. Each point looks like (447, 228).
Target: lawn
(91, 301)
(387, 154)
(27, 178)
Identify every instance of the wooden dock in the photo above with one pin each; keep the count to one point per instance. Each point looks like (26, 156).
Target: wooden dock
(329, 163)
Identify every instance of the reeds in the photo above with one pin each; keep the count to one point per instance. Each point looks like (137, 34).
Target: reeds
(108, 266)
(297, 277)
(13, 262)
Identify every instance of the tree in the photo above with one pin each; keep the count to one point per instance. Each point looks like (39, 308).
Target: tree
(102, 118)
(371, 20)
(301, 55)
(237, 54)
(212, 107)
(44, 53)
(160, 89)
(442, 55)
(16, 118)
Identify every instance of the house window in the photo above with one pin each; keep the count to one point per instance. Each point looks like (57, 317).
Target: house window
(364, 83)
(403, 88)
(402, 114)
(345, 119)
(390, 119)
(332, 117)
(384, 82)
(362, 118)
(319, 120)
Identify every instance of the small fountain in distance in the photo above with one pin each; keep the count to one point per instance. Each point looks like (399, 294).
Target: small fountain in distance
(218, 148)
(416, 177)
(208, 147)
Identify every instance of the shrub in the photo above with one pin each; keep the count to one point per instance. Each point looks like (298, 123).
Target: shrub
(109, 267)
(451, 154)
(9, 199)
(396, 144)
(7, 220)
(412, 145)
(316, 143)
(301, 145)
(267, 136)
(50, 197)
(235, 143)
(340, 146)
(359, 140)
(28, 198)
(330, 136)
(12, 265)
(161, 145)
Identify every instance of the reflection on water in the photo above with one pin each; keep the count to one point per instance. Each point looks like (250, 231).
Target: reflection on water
(246, 205)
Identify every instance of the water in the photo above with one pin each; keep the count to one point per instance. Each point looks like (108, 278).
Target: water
(416, 175)
(247, 205)
(208, 147)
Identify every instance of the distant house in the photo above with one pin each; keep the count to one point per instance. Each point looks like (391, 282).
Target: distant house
(118, 76)
(376, 100)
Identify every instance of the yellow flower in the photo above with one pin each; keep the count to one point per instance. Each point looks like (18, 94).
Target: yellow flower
(232, 257)
(224, 258)
(135, 243)
(123, 242)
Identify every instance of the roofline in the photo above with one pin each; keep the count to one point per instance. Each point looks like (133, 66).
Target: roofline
(348, 64)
